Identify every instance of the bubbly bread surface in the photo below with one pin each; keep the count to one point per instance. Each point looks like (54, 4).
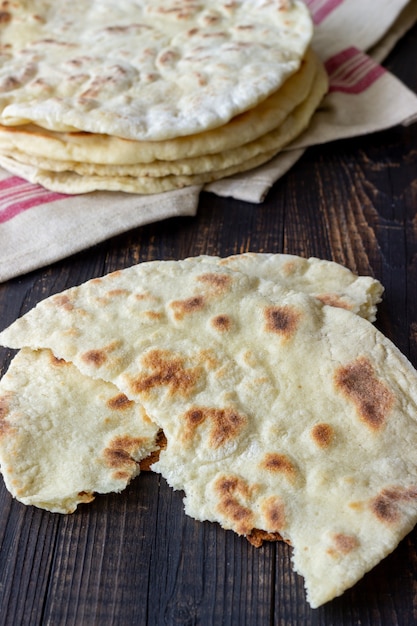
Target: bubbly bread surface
(109, 150)
(286, 413)
(144, 69)
(74, 177)
(66, 437)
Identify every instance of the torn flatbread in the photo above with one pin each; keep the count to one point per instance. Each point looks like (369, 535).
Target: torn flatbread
(281, 413)
(65, 437)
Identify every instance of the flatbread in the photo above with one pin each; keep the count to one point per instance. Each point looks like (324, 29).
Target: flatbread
(271, 142)
(99, 149)
(145, 69)
(282, 414)
(329, 282)
(65, 437)
(49, 379)
(159, 177)
(70, 183)
(127, 294)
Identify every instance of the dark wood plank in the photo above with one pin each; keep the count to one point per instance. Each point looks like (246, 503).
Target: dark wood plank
(27, 538)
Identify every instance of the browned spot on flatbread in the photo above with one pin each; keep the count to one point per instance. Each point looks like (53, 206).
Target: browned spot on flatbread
(279, 463)
(222, 323)
(99, 356)
(282, 320)
(142, 296)
(343, 543)
(181, 12)
(256, 537)
(113, 293)
(230, 490)
(85, 497)
(322, 435)
(119, 402)
(121, 475)
(386, 505)
(211, 19)
(226, 424)
(185, 307)
(153, 315)
(5, 17)
(161, 442)
(95, 357)
(114, 274)
(274, 513)
(63, 301)
(208, 357)
(218, 283)
(372, 398)
(56, 362)
(333, 299)
(193, 418)
(289, 267)
(5, 426)
(168, 57)
(8, 83)
(167, 370)
(118, 454)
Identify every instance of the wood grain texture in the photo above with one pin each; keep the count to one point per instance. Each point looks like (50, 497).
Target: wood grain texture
(135, 558)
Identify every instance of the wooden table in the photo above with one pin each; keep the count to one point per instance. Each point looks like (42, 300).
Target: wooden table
(134, 558)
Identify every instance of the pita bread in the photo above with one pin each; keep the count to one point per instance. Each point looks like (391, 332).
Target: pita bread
(64, 436)
(325, 279)
(145, 69)
(282, 414)
(158, 177)
(274, 140)
(328, 281)
(131, 295)
(82, 147)
(314, 440)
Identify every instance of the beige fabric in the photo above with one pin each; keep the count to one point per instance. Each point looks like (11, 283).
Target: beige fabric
(405, 20)
(281, 413)
(339, 117)
(354, 23)
(145, 69)
(25, 242)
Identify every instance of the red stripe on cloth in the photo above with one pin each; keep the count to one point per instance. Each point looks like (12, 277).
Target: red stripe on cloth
(352, 71)
(320, 9)
(340, 58)
(12, 181)
(17, 196)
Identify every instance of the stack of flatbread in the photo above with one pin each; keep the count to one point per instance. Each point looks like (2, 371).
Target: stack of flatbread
(146, 96)
(286, 413)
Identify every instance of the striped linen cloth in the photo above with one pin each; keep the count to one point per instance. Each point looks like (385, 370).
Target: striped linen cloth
(352, 37)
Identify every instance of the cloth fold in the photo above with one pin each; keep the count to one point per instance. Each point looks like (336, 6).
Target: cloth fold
(38, 227)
